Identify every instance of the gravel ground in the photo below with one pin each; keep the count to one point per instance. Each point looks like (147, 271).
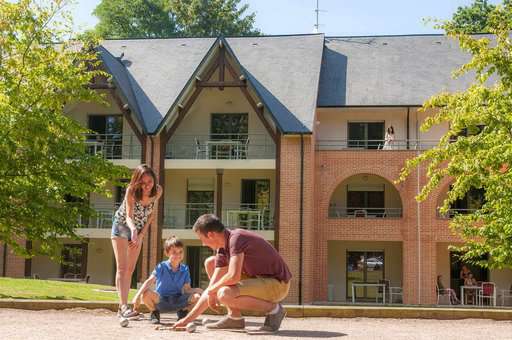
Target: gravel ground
(75, 324)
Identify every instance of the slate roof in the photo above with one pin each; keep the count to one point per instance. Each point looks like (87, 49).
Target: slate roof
(292, 74)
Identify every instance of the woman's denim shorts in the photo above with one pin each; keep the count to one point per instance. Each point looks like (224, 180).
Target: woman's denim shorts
(120, 230)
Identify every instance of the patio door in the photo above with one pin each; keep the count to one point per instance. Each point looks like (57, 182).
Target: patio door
(196, 256)
(200, 192)
(255, 196)
(364, 266)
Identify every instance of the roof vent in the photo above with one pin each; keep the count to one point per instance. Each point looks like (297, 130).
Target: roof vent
(254, 44)
(384, 43)
(183, 44)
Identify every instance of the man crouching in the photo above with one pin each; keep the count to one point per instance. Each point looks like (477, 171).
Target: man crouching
(246, 273)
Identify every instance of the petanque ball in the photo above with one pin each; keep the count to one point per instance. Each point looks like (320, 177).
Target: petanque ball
(123, 322)
(191, 327)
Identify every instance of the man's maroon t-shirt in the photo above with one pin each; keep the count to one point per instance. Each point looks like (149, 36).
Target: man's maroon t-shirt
(260, 258)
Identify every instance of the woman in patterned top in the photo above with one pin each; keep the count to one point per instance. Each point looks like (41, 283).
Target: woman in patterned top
(130, 225)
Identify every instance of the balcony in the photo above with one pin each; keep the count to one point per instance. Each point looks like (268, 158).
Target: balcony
(363, 212)
(101, 219)
(234, 215)
(375, 144)
(452, 212)
(114, 146)
(220, 147)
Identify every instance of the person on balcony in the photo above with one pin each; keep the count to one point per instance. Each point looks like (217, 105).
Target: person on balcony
(130, 224)
(246, 273)
(389, 139)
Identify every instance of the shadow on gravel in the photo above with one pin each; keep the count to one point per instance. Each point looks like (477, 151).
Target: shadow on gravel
(308, 334)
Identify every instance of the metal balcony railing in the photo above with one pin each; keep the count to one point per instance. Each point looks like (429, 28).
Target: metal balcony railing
(102, 217)
(221, 146)
(375, 144)
(114, 146)
(362, 212)
(234, 215)
(452, 212)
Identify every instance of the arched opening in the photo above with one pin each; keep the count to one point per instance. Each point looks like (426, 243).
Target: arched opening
(367, 196)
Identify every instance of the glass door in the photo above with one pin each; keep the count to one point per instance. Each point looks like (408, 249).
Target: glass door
(196, 256)
(367, 267)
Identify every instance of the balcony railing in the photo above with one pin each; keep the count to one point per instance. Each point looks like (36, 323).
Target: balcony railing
(344, 212)
(114, 146)
(452, 212)
(183, 216)
(220, 146)
(101, 219)
(375, 144)
(236, 215)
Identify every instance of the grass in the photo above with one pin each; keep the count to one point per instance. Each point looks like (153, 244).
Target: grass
(55, 290)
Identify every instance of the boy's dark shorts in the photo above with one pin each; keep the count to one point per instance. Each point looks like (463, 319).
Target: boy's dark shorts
(172, 303)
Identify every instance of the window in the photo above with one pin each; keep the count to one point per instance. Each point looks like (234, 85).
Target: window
(364, 266)
(365, 200)
(229, 126)
(109, 134)
(366, 135)
(474, 199)
(74, 260)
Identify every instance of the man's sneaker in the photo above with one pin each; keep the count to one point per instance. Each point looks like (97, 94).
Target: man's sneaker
(154, 318)
(273, 321)
(181, 313)
(227, 323)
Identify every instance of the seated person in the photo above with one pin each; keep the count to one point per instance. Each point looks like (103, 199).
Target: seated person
(470, 293)
(453, 297)
(173, 291)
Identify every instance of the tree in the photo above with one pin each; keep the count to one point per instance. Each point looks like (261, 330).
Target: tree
(134, 19)
(479, 160)
(171, 18)
(45, 173)
(473, 18)
(210, 18)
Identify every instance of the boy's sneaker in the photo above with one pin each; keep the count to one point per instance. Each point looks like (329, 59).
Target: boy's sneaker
(181, 313)
(273, 321)
(154, 318)
(227, 323)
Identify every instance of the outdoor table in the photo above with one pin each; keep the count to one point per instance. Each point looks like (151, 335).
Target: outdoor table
(231, 145)
(232, 216)
(462, 297)
(368, 284)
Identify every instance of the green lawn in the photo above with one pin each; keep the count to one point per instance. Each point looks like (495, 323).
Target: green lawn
(55, 290)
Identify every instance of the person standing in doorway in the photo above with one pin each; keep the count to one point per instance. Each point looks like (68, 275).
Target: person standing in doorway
(130, 225)
(389, 138)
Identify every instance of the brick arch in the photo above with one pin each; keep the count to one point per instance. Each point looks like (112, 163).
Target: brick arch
(340, 179)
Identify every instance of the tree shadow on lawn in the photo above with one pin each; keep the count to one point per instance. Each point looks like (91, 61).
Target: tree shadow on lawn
(42, 297)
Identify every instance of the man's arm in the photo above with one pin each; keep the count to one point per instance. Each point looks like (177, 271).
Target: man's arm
(232, 277)
(203, 302)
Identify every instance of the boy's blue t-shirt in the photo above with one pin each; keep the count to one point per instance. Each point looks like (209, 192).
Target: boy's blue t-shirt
(169, 282)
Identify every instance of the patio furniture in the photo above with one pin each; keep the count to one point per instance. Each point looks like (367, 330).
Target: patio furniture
(473, 295)
(200, 150)
(383, 290)
(241, 150)
(395, 292)
(369, 284)
(221, 148)
(505, 294)
(444, 296)
(488, 292)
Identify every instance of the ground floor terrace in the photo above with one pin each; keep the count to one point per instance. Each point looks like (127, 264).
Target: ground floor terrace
(356, 271)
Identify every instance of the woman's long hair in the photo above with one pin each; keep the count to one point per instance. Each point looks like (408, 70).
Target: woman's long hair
(136, 181)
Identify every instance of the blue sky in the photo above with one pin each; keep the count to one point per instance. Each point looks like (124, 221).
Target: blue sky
(341, 17)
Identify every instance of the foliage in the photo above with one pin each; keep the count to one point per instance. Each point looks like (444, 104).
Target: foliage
(171, 18)
(46, 174)
(480, 159)
(473, 18)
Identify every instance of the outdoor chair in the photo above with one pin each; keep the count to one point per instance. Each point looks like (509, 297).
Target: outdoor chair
(381, 290)
(395, 292)
(444, 296)
(488, 292)
(505, 294)
(241, 150)
(200, 149)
